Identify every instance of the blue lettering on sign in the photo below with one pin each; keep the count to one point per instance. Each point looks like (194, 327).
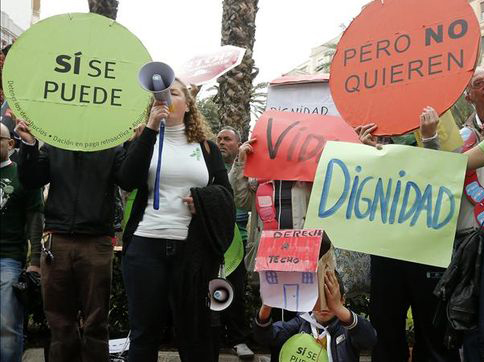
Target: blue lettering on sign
(396, 201)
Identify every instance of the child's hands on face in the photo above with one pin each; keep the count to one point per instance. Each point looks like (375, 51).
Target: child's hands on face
(334, 299)
(331, 290)
(264, 313)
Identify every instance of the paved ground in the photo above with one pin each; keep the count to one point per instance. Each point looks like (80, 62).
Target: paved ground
(37, 355)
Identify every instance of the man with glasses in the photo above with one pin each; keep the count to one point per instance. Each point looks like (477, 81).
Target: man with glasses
(20, 210)
(474, 94)
(473, 133)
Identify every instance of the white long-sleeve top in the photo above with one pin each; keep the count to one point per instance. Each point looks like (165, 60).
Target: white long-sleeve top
(182, 167)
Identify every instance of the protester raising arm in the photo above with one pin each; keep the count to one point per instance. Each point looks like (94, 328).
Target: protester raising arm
(476, 157)
(133, 172)
(243, 195)
(33, 163)
(429, 122)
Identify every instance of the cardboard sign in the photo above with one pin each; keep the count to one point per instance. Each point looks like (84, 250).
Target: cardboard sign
(73, 77)
(301, 94)
(302, 347)
(400, 202)
(208, 67)
(289, 250)
(399, 56)
(289, 144)
(295, 291)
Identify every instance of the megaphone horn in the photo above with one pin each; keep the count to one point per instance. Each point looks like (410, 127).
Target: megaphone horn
(157, 78)
(221, 294)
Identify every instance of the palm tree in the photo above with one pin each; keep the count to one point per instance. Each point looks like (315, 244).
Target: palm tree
(234, 93)
(108, 8)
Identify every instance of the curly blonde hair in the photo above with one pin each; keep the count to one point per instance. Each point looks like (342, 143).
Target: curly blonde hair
(196, 127)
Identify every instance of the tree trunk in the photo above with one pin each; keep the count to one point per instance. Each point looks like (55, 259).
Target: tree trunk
(233, 98)
(108, 8)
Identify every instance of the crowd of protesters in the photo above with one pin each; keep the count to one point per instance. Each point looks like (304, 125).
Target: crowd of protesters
(175, 238)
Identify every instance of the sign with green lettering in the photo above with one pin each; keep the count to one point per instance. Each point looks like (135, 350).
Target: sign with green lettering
(73, 78)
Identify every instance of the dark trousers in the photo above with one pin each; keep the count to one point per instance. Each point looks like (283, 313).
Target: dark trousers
(474, 341)
(234, 317)
(150, 273)
(395, 286)
(78, 279)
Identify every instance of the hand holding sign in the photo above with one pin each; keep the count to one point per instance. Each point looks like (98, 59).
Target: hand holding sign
(366, 136)
(429, 121)
(246, 149)
(24, 132)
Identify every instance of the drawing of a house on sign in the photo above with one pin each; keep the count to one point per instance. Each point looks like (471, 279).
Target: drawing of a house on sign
(287, 262)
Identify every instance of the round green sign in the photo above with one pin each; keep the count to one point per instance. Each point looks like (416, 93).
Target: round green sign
(302, 347)
(73, 77)
(234, 254)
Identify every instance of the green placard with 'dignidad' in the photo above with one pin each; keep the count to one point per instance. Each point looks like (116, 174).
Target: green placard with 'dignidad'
(73, 78)
(302, 347)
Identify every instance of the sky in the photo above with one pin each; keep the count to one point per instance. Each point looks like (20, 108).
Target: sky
(175, 31)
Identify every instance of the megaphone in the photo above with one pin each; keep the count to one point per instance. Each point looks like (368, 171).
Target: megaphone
(157, 78)
(221, 294)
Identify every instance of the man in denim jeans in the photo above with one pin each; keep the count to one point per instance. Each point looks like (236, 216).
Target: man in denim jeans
(18, 208)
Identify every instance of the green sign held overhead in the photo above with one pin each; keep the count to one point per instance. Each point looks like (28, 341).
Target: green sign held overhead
(73, 78)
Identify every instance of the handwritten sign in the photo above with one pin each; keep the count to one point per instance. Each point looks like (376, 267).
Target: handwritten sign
(73, 77)
(287, 262)
(301, 94)
(289, 250)
(420, 53)
(402, 202)
(289, 144)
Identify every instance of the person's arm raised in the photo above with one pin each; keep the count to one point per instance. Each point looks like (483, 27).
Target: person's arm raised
(476, 157)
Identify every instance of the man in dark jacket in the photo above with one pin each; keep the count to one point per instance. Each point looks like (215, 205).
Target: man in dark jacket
(346, 332)
(77, 259)
(20, 220)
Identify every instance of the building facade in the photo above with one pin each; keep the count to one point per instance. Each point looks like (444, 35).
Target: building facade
(16, 17)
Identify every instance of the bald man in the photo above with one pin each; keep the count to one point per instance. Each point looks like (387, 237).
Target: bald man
(20, 210)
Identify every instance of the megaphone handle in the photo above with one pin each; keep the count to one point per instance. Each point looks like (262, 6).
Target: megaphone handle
(156, 201)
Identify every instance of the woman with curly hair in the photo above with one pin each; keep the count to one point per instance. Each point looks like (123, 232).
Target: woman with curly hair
(167, 261)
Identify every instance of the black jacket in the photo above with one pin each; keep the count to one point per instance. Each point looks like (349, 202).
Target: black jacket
(458, 289)
(346, 343)
(81, 193)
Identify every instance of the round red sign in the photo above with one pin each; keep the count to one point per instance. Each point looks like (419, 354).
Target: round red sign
(399, 56)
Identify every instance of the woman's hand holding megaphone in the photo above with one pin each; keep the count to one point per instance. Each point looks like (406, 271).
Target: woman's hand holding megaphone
(159, 112)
